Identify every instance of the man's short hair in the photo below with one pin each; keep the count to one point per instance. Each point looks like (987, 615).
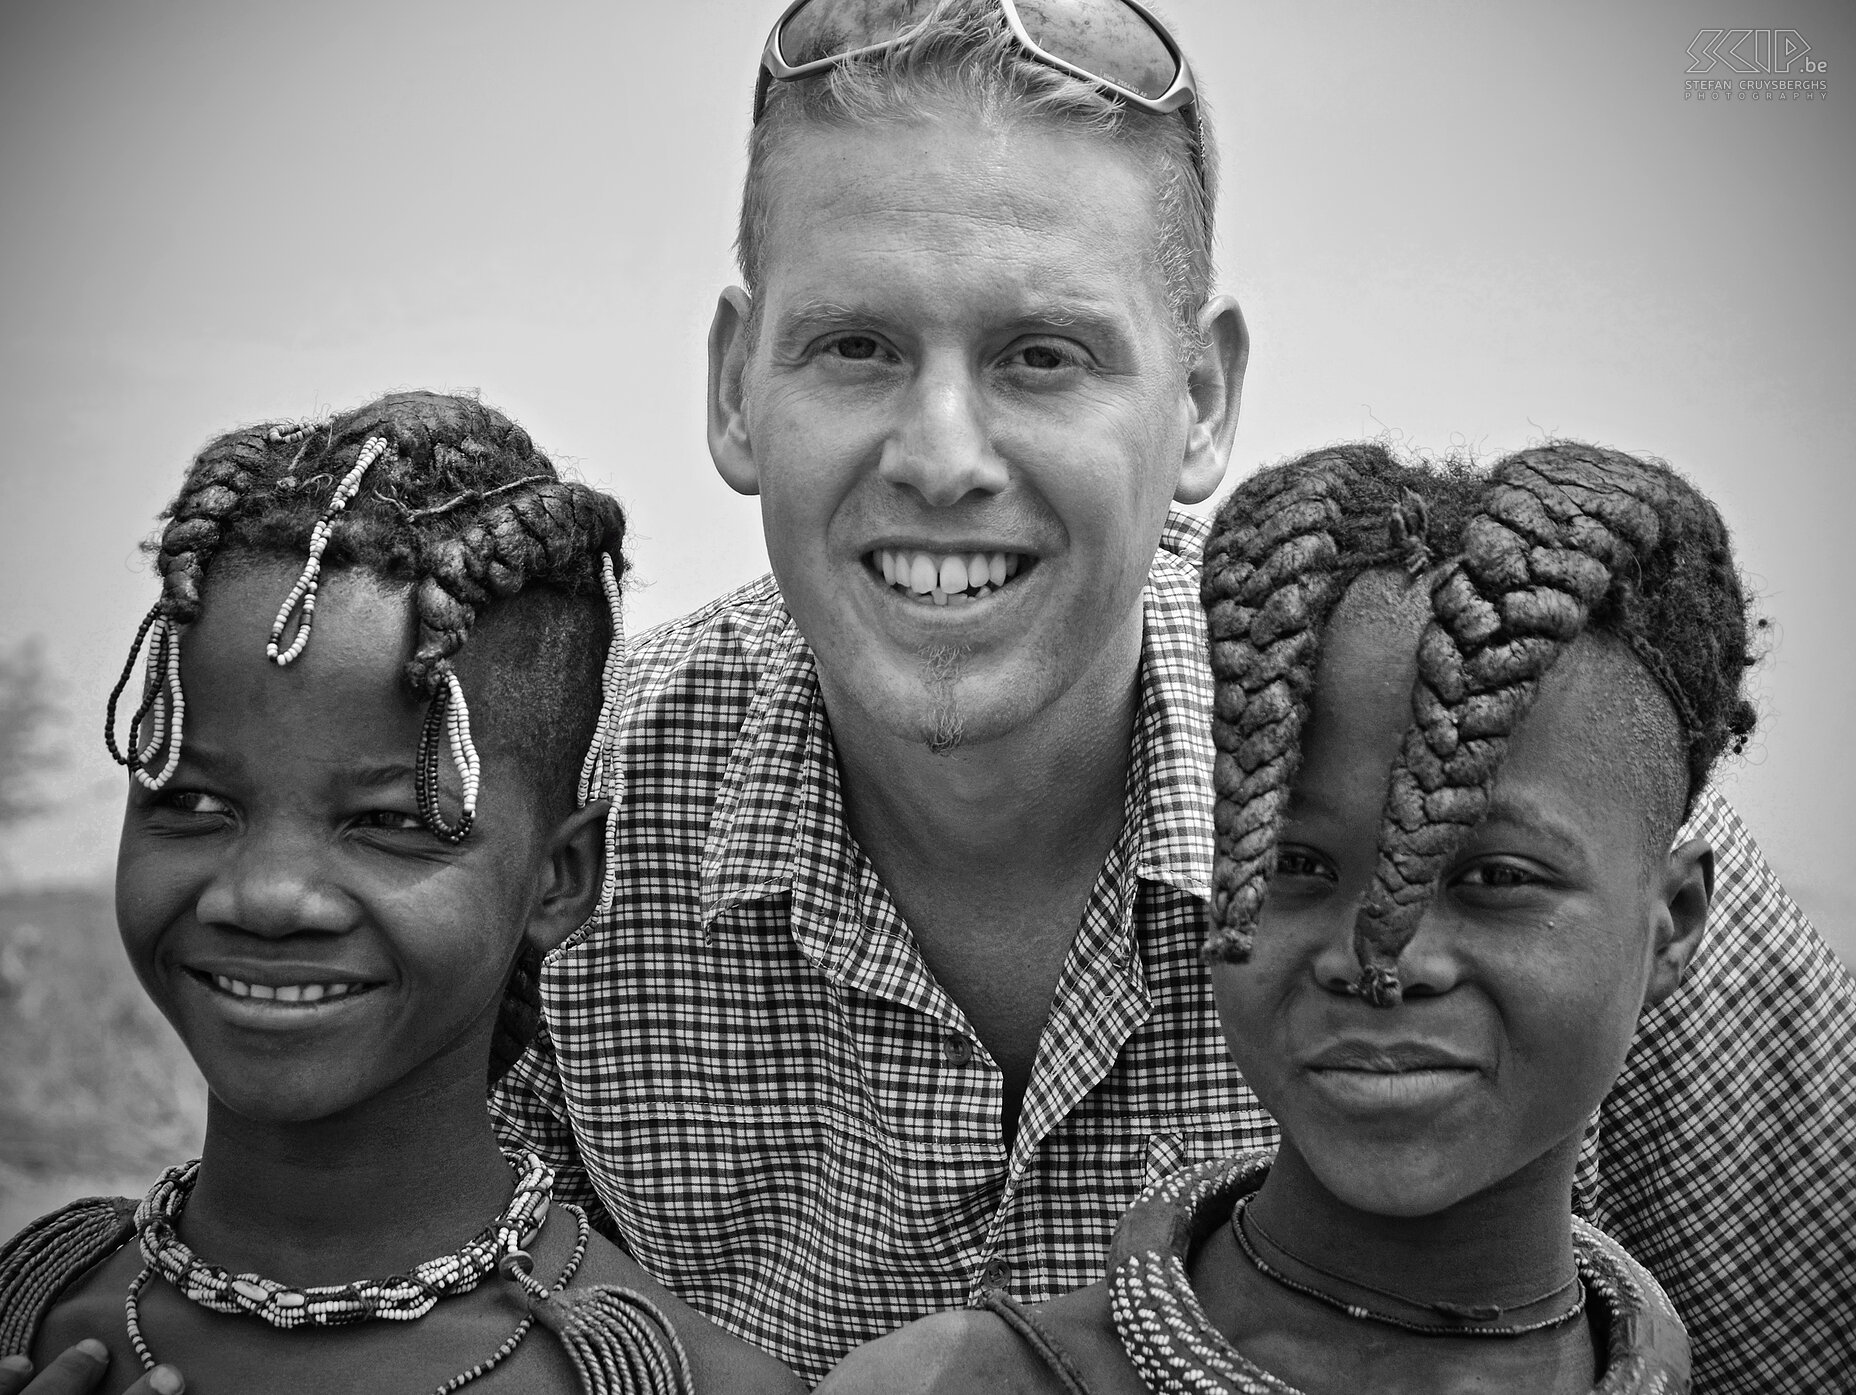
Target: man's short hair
(965, 58)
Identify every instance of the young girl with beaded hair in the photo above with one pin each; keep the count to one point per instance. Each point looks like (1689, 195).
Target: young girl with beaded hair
(358, 808)
(1459, 716)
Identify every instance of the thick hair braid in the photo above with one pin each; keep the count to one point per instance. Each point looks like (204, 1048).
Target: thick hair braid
(546, 532)
(221, 478)
(1549, 543)
(1272, 577)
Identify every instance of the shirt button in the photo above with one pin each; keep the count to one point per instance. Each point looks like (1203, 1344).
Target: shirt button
(957, 1049)
(994, 1275)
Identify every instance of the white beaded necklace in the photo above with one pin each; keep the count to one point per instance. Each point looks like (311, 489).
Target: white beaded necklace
(402, 1298)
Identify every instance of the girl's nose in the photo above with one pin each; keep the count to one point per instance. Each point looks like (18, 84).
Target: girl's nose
(273, 884)
(1426, 966)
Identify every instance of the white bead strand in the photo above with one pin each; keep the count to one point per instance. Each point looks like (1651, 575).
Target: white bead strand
(170, 711)
(303, 594)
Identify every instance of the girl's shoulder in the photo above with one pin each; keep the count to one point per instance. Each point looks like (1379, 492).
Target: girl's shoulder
(1645, 1344)
(48, 1256)
(611, 1291)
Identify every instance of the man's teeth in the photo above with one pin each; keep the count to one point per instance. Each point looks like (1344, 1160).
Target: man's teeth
(947, 576)
(284, 993)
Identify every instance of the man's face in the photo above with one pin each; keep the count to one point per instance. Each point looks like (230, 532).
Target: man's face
(964, 410)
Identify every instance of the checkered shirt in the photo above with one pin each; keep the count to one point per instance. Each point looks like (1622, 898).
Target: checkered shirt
(750, 1076)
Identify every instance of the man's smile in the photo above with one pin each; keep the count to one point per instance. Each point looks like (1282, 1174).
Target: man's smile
(947, 578)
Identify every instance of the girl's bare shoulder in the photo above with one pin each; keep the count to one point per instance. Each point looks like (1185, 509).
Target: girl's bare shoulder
(1064, 1347)
(722, 1363)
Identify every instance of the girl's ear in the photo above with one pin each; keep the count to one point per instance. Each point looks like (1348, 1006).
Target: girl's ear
(567, 891)
(1681, 914)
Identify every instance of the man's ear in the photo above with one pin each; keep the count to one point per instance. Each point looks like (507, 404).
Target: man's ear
(567, 889)
(731, 343)
(1681, 914)
(1216, 382)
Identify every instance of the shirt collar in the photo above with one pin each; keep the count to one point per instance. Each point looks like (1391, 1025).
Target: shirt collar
(777, 824)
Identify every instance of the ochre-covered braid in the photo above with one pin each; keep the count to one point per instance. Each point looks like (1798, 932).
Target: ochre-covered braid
(1549, 543)
(1272, 577)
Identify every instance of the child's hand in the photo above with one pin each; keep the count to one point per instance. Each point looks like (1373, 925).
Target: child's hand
(77, 1371)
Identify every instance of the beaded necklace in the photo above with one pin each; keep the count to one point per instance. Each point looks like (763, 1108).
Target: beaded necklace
(618, 1341)
(1178, 1351)
(401, 1298)
(1462, 1322)
(509, 1266)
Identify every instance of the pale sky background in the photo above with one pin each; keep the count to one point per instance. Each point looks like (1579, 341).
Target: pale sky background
(1458, 223)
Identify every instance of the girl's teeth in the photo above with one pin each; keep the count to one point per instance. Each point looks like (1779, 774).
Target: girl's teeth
(287, 993)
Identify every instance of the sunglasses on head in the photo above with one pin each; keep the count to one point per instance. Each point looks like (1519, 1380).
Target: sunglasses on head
(1115, 44)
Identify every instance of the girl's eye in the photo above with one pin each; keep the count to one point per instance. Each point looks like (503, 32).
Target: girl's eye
(194, 802)
(392, 819)
(1300, 863)
(1499, 875)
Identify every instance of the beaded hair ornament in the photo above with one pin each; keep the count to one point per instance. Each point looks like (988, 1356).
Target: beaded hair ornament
(536, 528)
(1519, 561)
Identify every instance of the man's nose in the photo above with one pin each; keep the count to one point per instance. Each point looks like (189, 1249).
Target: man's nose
(275, 883)
(940, 447)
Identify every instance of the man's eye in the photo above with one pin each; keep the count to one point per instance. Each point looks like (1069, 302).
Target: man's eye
(1046, 358)
(858, 348)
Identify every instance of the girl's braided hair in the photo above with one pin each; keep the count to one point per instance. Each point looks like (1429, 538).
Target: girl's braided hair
(1521, 559)
(452, 498)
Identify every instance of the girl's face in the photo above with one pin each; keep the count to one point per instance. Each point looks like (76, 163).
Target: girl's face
(282, 903)
(1547, 934)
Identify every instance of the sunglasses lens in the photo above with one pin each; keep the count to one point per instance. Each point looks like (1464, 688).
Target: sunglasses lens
(1104, 38)
(833, 28)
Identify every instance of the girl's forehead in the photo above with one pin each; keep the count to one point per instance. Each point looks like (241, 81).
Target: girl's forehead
(1600, 741)
(1369, 654)
(363, 636)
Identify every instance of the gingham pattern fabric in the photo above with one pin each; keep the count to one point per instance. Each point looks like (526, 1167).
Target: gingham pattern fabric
(750, 1076)
(1727, 1149)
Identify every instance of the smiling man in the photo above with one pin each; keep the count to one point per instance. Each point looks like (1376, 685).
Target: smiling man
(899, 996)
